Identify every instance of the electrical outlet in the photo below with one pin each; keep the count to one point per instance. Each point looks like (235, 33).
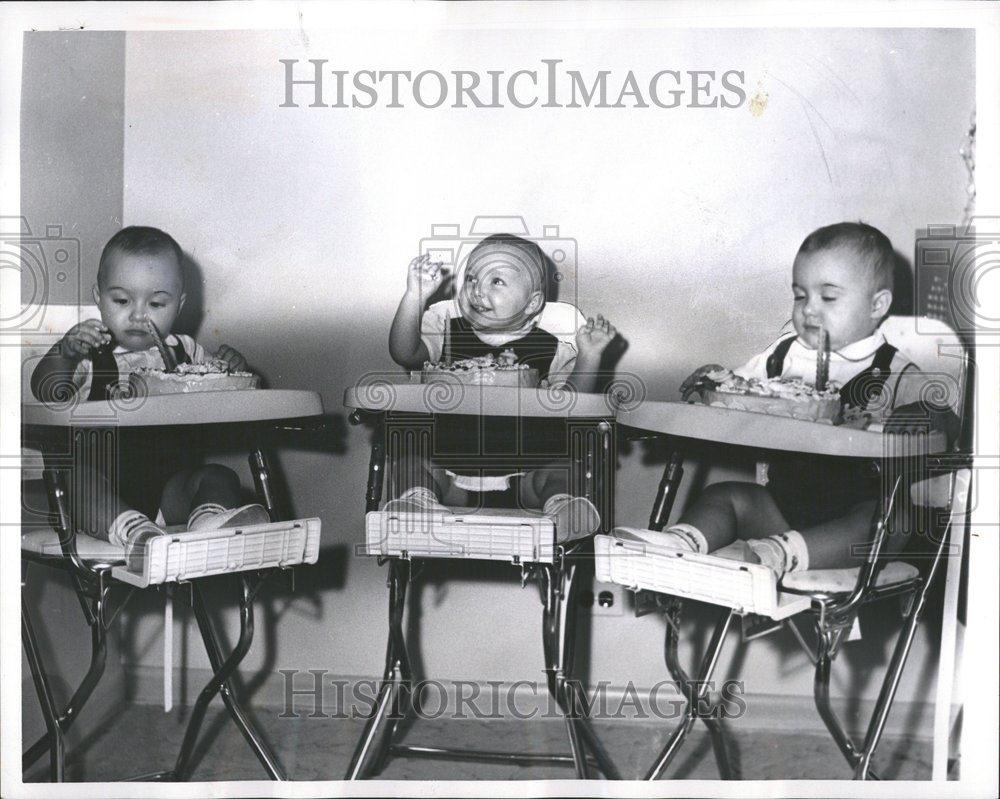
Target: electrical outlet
(604, 600)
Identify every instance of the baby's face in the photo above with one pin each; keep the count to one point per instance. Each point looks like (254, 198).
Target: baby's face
(831, 289)
(137, 287)
(497, 291)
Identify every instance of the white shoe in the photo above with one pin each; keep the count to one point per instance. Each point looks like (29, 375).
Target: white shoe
(234, 517)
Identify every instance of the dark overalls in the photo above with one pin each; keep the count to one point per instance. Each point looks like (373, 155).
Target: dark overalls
(137, 463)
(482, 439)
(811, 489)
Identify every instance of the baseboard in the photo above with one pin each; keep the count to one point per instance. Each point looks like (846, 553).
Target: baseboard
(488, 700)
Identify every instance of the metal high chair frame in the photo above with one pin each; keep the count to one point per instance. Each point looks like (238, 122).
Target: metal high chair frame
(834, 613)
(102, 597)
(558, 584)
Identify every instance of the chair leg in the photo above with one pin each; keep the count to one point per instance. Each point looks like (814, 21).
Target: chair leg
(821, 696)
(220, 683)
(53, 739)
(890, 683)
(380, 726)
(827, 643)
(562, 650)
(98, 655)
(694, 692)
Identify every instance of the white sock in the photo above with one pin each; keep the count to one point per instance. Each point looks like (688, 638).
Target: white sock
(782, 553)
(418, 497)
(131, 529)
(679, 536)
(218, 517)
(576, 517)
(126, 525)
(204, 510)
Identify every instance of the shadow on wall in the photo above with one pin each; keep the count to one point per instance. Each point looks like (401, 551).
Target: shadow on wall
(193, 312)
(902, 295)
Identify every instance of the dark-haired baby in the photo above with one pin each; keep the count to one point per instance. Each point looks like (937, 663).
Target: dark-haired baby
(140, 280)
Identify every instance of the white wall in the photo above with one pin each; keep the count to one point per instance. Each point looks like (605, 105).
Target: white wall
(303, 221)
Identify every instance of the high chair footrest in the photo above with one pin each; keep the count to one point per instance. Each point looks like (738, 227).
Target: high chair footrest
(745, 587)
(190, 555)
(463, 533)
(838, 581)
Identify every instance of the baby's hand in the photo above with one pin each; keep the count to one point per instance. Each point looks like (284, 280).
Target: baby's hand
(593, 338)
(690, 384)
(83, 339)
(423, 276)
(234, 360)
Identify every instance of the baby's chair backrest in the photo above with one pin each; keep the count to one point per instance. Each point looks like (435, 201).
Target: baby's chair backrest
(45, 326)
(934, 347)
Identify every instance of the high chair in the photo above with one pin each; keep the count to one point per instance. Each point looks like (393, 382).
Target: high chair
(914, 464)
(176, 563)
(404, 418)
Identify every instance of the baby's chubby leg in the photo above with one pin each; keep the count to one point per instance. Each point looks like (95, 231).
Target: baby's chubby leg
(722, 514)
(208, 498)
(97, 510)
(548, 488)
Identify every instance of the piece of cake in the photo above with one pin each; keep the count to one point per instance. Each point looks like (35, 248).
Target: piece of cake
(487, 370)
(775, 396)
(189, 378)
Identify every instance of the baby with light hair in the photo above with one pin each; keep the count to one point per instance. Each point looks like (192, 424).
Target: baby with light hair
(499, 304)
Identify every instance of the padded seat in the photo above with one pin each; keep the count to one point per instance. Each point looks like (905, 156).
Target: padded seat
(843, 581)
(46, 542)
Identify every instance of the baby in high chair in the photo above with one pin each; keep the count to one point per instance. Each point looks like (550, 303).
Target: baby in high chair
(813, 509)
(499, 306)
(140, 283)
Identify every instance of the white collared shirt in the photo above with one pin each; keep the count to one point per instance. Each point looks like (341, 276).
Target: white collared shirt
(800, 360)
(906, 382)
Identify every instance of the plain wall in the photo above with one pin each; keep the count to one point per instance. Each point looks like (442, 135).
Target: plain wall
(72, 154)
(72, 134)
(302, 222)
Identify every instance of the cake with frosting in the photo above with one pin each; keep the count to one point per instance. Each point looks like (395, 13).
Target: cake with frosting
(775, 396)
(486, 370)
(214, 375)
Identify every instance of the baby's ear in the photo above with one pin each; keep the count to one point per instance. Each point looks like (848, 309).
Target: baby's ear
(97, 295)
(181, 301)
(535, 303)
(881, 302)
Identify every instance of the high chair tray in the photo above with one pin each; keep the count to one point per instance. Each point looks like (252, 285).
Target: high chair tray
(491, 534)
(745, 587)
(189, 555)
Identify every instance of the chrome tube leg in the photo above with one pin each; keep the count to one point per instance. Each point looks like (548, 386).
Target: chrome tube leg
(98, 656)
(53, 740)
(95, 671)
(666, 492)
(889, 685)
(553, 586)
(821, 696)
(573, 691)
(220, 677)
(375, 733)
(230, 698)
(695, 693)
(261, 472)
